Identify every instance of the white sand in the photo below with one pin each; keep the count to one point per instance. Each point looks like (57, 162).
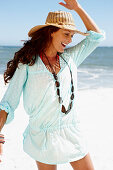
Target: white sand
(96, 115)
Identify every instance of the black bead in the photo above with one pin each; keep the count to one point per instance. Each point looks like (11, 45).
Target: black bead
(58, 92)
(72, 88)
(55, 76)
(72, 96)
(57, 83)
(60, 100)
(63, 109)
(72, 81)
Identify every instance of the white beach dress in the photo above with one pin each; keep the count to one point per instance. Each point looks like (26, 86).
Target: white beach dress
(51, 137)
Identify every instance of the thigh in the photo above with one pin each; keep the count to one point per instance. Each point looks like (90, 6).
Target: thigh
(83, 164)
(43, 166)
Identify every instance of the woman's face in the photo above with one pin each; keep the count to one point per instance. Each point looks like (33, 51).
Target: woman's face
(60, 39)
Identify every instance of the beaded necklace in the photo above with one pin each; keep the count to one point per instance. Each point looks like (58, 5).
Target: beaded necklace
(57, 84)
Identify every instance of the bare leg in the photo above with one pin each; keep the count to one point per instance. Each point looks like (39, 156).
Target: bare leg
(43, 166)
(83, 164)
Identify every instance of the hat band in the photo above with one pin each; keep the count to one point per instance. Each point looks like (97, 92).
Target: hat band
(60, 23)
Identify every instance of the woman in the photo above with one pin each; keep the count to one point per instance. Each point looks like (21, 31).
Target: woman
(46, 72)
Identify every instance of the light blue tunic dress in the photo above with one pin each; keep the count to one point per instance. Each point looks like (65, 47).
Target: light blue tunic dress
(51, 136)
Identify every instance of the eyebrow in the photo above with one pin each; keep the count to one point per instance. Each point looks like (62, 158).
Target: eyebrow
(69, 31)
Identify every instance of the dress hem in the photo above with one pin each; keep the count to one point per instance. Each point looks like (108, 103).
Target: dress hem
(52, 163)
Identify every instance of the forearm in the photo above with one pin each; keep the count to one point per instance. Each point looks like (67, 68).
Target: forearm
(3, 118)
(87, 20)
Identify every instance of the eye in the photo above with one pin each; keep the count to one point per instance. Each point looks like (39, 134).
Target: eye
(66, 34)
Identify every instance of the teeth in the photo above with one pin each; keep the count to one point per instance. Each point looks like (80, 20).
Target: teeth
(64, 44)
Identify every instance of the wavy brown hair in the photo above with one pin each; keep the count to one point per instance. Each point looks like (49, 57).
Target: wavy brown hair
(31, 49)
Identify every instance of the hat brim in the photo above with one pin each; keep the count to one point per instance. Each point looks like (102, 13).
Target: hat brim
(69, 27)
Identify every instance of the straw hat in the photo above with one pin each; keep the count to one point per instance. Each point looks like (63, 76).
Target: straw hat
(59, 19)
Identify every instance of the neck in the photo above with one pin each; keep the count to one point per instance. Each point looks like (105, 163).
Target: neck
(51, 53)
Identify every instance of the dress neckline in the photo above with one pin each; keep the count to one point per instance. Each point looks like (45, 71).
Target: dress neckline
(62, 66)
(40, 56)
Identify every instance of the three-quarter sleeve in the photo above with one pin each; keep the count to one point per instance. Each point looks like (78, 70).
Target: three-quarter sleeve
(80, 51)
(12, 95)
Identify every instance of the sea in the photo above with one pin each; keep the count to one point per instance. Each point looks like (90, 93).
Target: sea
(96, 71)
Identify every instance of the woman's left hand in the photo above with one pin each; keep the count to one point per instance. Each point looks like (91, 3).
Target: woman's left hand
(70, 4)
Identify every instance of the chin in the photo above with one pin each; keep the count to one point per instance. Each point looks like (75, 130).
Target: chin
(61, 51)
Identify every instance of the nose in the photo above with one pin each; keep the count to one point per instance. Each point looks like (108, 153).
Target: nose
(69, 39)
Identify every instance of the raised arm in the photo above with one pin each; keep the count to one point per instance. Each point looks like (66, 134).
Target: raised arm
(80, 51)
(87, 20)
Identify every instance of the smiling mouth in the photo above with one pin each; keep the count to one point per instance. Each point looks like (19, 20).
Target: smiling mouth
(63, 44)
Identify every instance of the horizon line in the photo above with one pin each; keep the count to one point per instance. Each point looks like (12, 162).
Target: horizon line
(67, 47)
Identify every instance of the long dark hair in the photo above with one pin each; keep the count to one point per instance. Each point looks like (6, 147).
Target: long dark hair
(31, 49)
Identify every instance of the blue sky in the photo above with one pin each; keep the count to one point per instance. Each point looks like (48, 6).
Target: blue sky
(18, 17)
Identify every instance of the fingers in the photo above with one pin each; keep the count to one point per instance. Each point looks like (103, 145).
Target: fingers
(61, 3)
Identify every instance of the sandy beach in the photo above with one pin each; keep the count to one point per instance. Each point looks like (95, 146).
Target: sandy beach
(96, 115)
